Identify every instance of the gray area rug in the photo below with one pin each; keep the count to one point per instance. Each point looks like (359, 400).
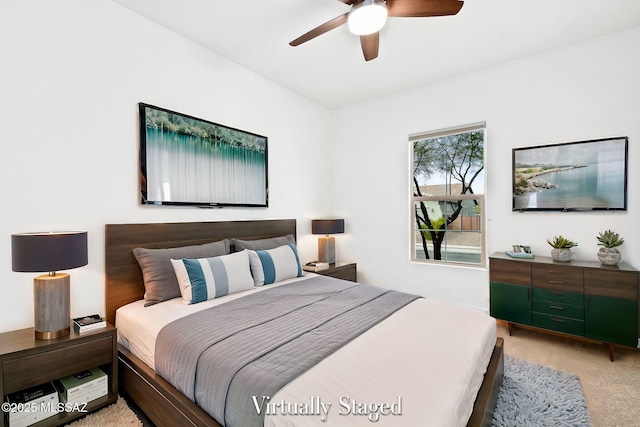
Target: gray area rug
(535, 395)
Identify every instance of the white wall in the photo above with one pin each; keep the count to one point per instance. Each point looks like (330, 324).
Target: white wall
(71, 75)
(587, 91)
(73, 71)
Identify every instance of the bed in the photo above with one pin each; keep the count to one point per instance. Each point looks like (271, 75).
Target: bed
(336, 379)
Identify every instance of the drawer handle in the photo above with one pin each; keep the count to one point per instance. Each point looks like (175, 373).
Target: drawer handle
(556, 307)
(555, 272)
(556, 293)
(556, 320)
(556, 282)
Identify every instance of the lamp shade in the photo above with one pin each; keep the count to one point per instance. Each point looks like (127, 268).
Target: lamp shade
(327, 226)
(48, 251)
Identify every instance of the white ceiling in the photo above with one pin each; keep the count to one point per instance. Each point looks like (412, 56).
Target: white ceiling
(331, 71)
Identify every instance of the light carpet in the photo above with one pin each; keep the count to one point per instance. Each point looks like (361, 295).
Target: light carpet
(536, 395)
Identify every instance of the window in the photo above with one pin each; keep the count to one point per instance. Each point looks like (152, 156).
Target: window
(447, 202)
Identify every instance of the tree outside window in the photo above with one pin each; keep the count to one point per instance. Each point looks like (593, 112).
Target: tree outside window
(448, 195)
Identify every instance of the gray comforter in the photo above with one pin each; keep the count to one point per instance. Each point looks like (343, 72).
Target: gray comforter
(253, 346)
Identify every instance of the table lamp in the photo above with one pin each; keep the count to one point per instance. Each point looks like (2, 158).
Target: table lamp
(49, 252)
(327, 244)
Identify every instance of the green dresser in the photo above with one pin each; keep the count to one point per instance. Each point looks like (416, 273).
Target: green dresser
(583, 299)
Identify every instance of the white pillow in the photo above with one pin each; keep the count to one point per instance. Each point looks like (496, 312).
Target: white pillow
(207, 278)
(274, 265)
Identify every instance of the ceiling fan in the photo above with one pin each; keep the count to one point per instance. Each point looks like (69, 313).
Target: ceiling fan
(367, 17)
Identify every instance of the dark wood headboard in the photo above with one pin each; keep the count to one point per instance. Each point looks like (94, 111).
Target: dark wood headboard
(123, 275)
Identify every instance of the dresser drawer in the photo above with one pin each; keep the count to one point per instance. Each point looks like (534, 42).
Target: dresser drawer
(558, 309)
(558, 277)
(35, 369)
(553, 295)
(514, 272)
(558, 323)
(615, 284)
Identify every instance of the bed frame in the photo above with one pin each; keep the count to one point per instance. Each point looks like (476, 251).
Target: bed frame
(159, 400)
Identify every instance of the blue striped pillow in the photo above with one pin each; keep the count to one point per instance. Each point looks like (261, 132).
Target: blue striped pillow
(274, 265)
(207, 278)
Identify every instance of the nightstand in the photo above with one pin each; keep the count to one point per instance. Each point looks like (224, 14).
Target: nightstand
(26, 361)
(341, 270)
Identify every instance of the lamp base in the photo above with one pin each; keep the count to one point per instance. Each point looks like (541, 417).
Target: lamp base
(51, 306)
(327, 249)
(53, 335)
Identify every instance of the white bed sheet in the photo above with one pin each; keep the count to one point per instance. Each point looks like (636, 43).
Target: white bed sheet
(429, 356)
(138, 326)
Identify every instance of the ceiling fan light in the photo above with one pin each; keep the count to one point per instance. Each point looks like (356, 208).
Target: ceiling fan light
(367, 17)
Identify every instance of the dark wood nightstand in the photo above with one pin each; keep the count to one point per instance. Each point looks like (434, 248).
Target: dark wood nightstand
(341, 270)
(26, 361)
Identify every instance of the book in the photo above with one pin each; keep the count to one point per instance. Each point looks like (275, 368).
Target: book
(519, 254)
(31, 405)
(317, 266)
(88, 323)
(83, 387)
(85, 398)
(32, 393)
(82, 329)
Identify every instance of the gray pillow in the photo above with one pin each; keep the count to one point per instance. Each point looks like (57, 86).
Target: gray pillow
(263, 244)
(160, 283)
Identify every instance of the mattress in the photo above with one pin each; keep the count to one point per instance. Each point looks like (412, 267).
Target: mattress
(423, 365)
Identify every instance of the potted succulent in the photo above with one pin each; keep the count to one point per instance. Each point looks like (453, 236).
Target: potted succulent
(609, 253)
(561, 248)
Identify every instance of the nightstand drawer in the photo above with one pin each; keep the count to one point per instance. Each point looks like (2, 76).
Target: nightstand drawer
(558, 323)
(32, 370)
(558, 309)
(557, 296)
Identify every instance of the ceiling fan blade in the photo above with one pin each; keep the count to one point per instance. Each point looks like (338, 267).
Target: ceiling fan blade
(422, 8)
(370, 44)
(348, 1)
(327, 26)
